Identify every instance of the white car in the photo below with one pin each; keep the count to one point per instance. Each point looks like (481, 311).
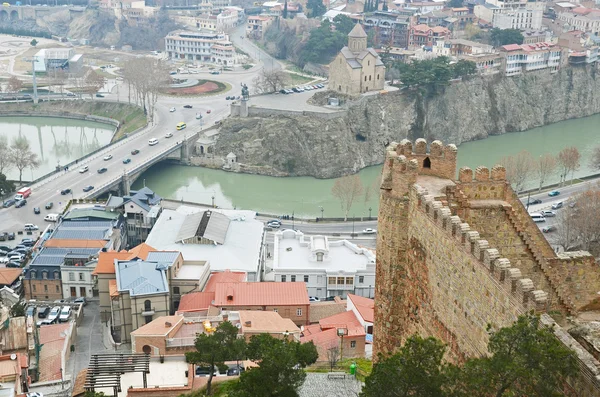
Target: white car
(107, 157)
(30, 226)
(547, 213)
(4, 259)
(54, 313)
(84, 169)
(153, 141)
(65, 313)
(369, 231)
(172, 110)
(168, 135)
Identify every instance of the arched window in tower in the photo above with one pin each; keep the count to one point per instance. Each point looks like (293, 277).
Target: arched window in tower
(426, 163)
(147, 305)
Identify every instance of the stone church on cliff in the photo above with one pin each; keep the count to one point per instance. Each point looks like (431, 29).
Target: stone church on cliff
(356, 69)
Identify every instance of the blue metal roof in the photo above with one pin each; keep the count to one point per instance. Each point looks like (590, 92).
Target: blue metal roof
(56, 256)
(85, 224)
(162, 256)
(141, 278)
(83, 234)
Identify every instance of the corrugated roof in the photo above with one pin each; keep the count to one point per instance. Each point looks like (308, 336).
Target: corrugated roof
(261, 294)
(159, 326)
(364, 306)
(190, 226)
(82, 234)
(66, 243)
(78, 213)
(9, 275)
(346, 320)
(141, 278)
(196, 301)
(218, 224)
(162, 256)
(56, 256)
(223, 277)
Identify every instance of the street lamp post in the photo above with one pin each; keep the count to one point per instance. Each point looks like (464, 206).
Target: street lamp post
(293, 224)
(322, 210)
(353, 216)
(341, 332)
(370, 209)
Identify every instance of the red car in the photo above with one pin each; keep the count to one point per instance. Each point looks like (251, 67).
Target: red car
(208, 111)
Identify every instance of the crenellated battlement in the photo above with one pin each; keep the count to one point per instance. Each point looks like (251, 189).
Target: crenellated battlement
(439, 160)
(482, 174)
(509, 277)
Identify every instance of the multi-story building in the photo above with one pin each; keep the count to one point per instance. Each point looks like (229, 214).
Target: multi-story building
(523, 58)
(141, 208)
(390, 29)
(257, 26)
(458, 47)
(205, 47)
(585, 19)
(511, 14)
(425, 36)
(206, 22)
(328, 268)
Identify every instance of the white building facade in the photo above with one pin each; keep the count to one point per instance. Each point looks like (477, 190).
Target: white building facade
(202, 47)
(329, 268)
(520, 59)
(519, 14)
(77, 280)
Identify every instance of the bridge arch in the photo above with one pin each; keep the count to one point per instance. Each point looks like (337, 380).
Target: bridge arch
(14, 15)
(3, 15)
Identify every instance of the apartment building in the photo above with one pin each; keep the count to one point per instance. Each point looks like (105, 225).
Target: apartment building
(257, 26)
(203, 47)
(511, 14)
(328, 268)
(584, 19)
(390, 29)
(425, 36)
(523, 58)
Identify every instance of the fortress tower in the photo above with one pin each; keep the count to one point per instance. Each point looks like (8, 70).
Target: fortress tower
(457, 255)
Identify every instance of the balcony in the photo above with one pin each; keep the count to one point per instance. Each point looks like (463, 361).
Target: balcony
(148, 312)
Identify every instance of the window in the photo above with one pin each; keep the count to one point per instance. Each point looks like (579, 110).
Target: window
(33, 274)
(283, 278)
(352, 344)
(306, 279)
(331, 280)
(365, 78)
(57, 288)
(275, 310)
(148, 319)
(45, 275)
(81, 277)
(340, 280)
(71, 276)
(293, 278)
(56, 275)
(349, 280)
(320, 257)
(147, 306)
(369, 78)
(34, 289)
(377, 77)
(176, 290)
(45, 287)
(368, 63)
(298, 312)
(361, 279)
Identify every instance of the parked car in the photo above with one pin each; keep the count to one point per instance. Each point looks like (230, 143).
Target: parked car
(215, 72)
(548, 213)
(28, 242)
(534, 201)
(36, 210)
(11, 236)
(314, 299)
(198, 116)
(369, 231)
(134, 152)
(235, 370)
(51, 218)
(15, 258)
(49, 205)
(554, 193)
(84, 169)
(107, 157)
(8, 203)
(3, 237)
(43, 311)
(172, 110)
(208, 111)
(65, 191)
(65, 313)
(126, 161)
(102, 170)
(81, 300)
(30, 312)
(13, 265)
(282, 91)
(88, 188)
(99, 96)
(274, 224)
(187, 106)
(30, 227)
(54, 313)
(204, 371)
(548, 229)
(20, 203)
(558, 205)
(227, 98)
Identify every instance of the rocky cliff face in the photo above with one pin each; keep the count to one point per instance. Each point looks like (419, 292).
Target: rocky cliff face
(469, 110)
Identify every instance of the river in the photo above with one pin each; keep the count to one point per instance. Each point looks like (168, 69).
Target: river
(55, 140)
(305, 196)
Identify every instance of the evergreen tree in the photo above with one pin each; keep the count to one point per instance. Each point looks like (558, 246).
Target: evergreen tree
(384, 7)
(376, 5)
(316, 8)
(285, 10)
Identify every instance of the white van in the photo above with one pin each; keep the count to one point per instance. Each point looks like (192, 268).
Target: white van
(153, 142)
(537, 217)
(51, 218)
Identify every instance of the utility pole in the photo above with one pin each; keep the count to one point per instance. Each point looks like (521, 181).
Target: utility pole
(32, 60)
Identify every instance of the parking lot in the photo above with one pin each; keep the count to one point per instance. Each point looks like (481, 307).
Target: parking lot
(295, 101)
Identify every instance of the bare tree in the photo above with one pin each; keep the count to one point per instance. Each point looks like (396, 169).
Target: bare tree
(333, 355)
(93, 83)
(587, 219)
(60, 80)
(566, 232)
(595, 159)
(5, 156)
(22, 156)
(545, 167)
(145, 78)
(270, 81)
(14, 84)
(347, 189)
(519, 169)
(568, 161)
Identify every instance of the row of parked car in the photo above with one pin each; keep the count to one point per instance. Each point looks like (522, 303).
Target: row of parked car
(15, 257)
(51, 314)
(301, 88)
(232, 370)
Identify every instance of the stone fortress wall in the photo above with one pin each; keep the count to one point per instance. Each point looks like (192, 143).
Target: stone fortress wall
(457, 256)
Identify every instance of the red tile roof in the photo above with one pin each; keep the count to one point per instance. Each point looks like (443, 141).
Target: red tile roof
(106, 260)
(223, 277)
(261, 294)
(9, 275)
(52, 339)
(70, 243)
(364, 306)
(325, 338)
(196, 301)
(346, 320)
(511, 47)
